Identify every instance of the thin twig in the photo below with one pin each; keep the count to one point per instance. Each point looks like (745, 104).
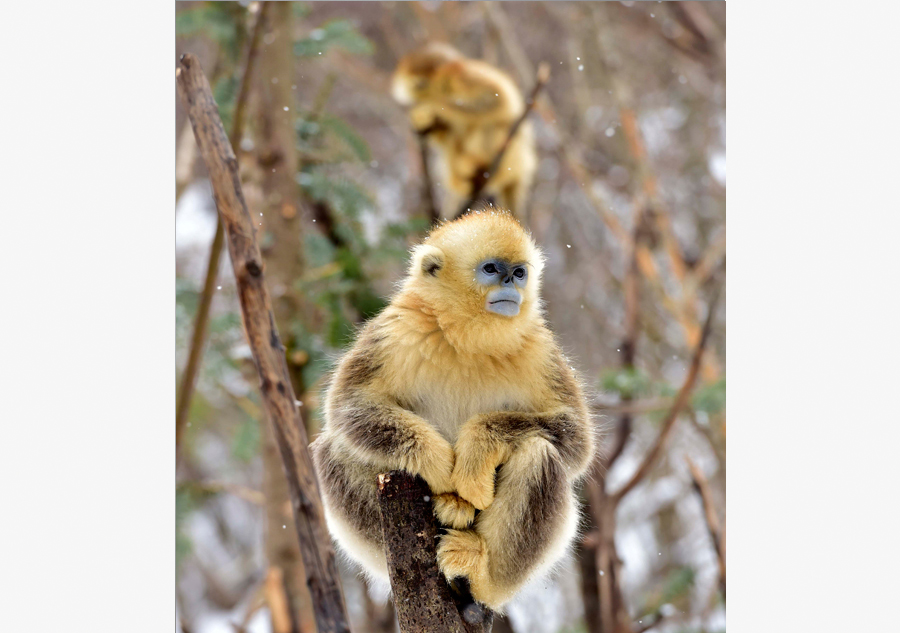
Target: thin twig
(652, 620)
(214, 487)
(631, 288)
(431, 209)
(701, 485)
(268, 352)
(481, 178)
(680, 401)
(633, 406)
(198, 336)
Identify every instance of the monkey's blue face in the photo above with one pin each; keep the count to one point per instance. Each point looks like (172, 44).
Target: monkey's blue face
(506, 281)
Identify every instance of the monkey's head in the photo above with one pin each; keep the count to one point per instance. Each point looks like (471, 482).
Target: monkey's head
(411, 81)
(480, 275)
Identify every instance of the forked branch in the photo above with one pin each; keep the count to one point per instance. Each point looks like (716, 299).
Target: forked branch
(677, 406)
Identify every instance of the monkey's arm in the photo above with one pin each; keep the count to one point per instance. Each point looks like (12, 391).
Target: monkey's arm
(372, 425)
(488, 440)
(471, 92)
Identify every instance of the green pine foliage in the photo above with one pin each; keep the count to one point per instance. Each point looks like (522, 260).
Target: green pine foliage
(223, 23)
(629, 382)
(710, 398)
(675, 589)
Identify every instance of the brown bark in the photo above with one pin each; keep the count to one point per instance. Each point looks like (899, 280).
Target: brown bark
(282, 548)
(423, 599)
(428, 202)
(278, 163)
(268, 352)
(284, 265)
(613, 615)
(590, 583)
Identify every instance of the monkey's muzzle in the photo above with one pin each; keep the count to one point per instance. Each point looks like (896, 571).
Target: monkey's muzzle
(504, 301)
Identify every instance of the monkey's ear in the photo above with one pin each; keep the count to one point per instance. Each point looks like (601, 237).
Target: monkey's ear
(427, 261)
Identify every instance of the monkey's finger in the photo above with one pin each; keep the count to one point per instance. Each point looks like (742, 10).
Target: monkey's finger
(454, 511)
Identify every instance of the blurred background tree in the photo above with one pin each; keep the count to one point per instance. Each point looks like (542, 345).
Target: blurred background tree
(631, 139)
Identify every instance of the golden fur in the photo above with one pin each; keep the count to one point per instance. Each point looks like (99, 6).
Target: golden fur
(467, 108)
(484, 407)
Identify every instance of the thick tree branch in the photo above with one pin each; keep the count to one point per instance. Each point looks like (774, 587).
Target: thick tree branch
(423, 599)
(198, 336)
(481, 179)
(268, 352)
(680, 401)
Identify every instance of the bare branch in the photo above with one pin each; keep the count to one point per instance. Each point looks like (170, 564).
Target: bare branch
(652, 620)
(431, 209)
(268, 352)
(631, 289)
(701, 485)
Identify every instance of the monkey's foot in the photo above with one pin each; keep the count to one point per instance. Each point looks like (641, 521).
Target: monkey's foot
(453, 510)
(462, 553)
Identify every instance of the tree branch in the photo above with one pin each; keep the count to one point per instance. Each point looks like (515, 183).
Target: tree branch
(268, 352)
(423, 599)
(427, 188)
(701, 485)
(480, 180)
(198, 336)
(680, 401)
(629, 345)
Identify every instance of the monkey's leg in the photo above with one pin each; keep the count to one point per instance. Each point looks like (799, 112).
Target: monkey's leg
(349, 496)
(526, 529)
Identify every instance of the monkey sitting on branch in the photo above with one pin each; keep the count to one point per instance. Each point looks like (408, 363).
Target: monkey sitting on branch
(460, 381)
(467, 108)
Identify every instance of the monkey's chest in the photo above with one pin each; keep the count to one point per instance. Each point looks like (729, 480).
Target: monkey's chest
(447, 405)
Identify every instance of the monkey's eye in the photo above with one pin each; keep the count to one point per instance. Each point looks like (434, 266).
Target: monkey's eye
(519, 273)
(490, 269)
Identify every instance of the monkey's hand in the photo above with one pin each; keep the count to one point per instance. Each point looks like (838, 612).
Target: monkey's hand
(434, 464)
(388, 437)
(454, 511)
(478, 454)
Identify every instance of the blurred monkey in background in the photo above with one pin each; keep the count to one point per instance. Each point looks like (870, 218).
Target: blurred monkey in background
(466, 107)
